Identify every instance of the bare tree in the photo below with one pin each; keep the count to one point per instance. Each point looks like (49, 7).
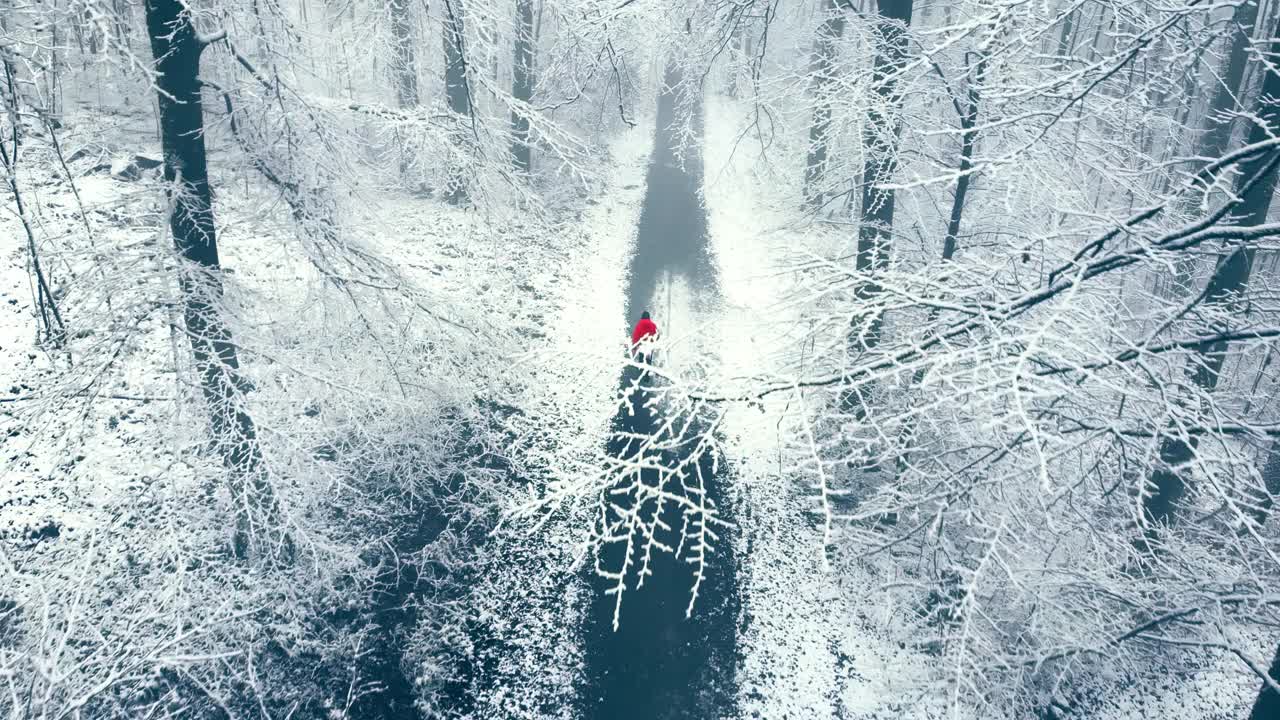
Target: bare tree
(457, 90)
(823, 72)
(880, 145)
(1221, 113)
(522, 84)
(1223, 296)
(52, 325)
(968, 138)
(1226, 98)
(405, 66)
(177, 49)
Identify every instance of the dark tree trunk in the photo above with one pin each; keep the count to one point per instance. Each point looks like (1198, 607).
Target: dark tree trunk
(406, 64)
(880, 145)
(177, 51)
(1267, 706)
(968, 137)
(1216, 138)
(736, 57)
(1265, 500)
(824, 73)
(1067, 40)
(1230, 280)
(455, 64)
(522, 86)
(457, 92)
(881, 138)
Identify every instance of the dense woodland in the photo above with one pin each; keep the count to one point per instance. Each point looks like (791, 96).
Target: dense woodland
(313, 318)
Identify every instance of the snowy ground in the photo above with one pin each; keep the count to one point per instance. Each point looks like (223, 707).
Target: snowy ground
(812, 646)
(534, 599)
(818, 643)
(77, 476)
(72, 452)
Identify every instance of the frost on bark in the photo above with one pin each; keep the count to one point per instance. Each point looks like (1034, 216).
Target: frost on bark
(177, 49)
(823, 70)
(522, 86)
(406, 65)
(1223, 296)
(457, 93)
(880, 146)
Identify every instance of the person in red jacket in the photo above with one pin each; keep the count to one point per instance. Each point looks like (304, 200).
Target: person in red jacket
(646, 329)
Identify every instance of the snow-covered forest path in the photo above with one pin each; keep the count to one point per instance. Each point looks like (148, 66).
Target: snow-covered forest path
(658, 663)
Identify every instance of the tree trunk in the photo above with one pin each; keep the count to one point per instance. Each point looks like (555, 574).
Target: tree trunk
(1067, 40)
(1098, 47)
(405, 64)
(1216, 138)
(1270, 490)
(177, 51)
(456, 89)
(522, 86)
(8, 85)
(1226, 287)
(968, 137)
(735, 58)
(823, 70)
(1182, 114)
(1267, 706)
(880, 141)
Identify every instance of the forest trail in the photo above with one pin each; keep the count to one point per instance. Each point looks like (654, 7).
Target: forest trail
(658, 663)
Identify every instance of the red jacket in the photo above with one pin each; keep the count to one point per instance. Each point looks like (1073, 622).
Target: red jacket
(645, 328)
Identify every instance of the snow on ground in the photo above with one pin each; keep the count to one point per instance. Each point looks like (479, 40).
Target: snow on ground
(818, 643)
(71, 451)
(532, 601)
(811, 644)
(577, 363)
(557, 282)
(1221, 690)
